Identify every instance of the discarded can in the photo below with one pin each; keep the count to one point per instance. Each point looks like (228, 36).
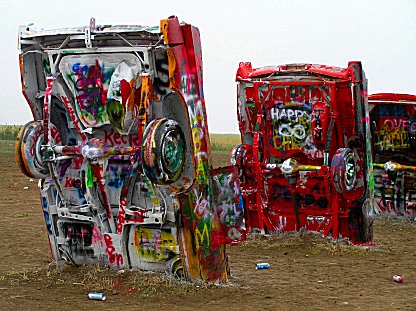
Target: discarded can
(398, 278)
(97, 296)
(263, 265)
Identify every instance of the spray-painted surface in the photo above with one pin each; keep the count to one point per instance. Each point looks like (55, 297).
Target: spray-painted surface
(393, 125)
(120, 143)
(305, 159)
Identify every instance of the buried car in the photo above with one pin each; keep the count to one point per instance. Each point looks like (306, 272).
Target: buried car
(393, 125)
(305, 158)
(120, 144)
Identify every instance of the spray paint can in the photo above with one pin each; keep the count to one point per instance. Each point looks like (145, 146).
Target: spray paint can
(97, 296)
(263, 265)
(398, 278)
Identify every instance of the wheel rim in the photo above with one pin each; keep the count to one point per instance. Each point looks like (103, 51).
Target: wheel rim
(173, 151)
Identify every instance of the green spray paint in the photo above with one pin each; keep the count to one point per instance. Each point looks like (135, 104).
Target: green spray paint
(174, 154)
(90, 177)
(116, 113)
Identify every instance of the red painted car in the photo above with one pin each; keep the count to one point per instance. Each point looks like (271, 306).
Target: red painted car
(393, 124)
(305, 159)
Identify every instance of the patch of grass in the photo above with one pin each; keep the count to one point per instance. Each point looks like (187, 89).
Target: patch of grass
(341, 247)
(96, 278)
(273, 241)
(221, 146)
(24, 214)
(313, 251)
(7, 146)
(309, 242)
(9, 132)
(224, 142)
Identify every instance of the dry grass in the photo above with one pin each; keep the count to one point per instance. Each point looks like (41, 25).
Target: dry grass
(96, 278)
(7, 146)
(25, 214)
(221, 145)
(224, 142)
(309, 242)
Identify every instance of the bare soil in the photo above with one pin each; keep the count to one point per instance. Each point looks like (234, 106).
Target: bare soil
(307, 272)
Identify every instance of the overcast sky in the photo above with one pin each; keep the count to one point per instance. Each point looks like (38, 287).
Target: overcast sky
(381, 34)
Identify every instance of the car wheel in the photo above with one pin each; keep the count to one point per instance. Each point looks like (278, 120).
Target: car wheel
(163, 151)
(343, 170)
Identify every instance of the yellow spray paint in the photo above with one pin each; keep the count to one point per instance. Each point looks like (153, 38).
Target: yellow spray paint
(202, 238)
(154, 244)
(171, 68)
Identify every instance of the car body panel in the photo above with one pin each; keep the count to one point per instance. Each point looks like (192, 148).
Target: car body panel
(393, 120)
(304, 131)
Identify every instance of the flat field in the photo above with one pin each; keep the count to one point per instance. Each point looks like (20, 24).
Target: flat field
(307, 272)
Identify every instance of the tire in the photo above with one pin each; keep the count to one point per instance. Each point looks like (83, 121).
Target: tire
(343, 170)
(240, 156)
(28, 153)
(177, 269)
(368, 219)
(163, 151)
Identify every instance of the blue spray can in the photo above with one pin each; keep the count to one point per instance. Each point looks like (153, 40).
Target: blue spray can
(263, 265)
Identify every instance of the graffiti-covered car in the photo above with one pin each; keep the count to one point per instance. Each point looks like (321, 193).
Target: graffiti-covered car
(305, 158)
(393, 125)
(120, 144)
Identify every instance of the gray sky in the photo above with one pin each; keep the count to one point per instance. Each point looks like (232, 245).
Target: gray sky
(381, 34)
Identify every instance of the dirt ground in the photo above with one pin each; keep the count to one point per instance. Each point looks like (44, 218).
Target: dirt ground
(306, 272)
